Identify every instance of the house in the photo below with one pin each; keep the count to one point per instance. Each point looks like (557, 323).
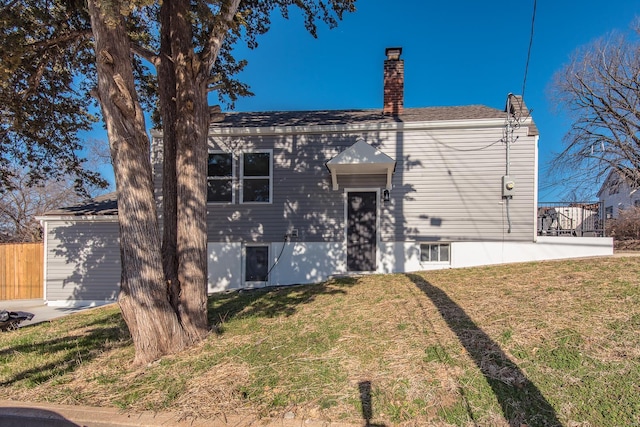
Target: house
(616, 194)
(296, 197)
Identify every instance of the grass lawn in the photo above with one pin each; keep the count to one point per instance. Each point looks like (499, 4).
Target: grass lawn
(535, 344)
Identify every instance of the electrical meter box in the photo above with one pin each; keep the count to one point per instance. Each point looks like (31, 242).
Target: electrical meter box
(508, 186)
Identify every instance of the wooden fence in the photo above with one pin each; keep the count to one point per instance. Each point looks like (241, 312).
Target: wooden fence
(21, 270)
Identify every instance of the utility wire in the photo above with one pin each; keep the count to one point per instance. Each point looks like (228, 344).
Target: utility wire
(277, 260)
(451, 147)
(526, 68)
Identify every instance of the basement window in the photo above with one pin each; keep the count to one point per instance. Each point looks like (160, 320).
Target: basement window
(435, 252)
(256, 263)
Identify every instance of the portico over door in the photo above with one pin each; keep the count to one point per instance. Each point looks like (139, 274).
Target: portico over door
(361, 159)
(361, 230)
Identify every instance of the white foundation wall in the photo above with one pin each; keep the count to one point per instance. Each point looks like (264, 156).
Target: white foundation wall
(303, 263)
(397, 257)
(470, 254)
(290, 263)
(224, 265)
(311, 262)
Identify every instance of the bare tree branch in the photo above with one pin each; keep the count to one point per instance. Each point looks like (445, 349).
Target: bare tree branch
(600, 88)
(20, 206)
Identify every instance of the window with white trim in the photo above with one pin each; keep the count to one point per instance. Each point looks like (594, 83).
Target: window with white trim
(256, 263)
(220, 177)
(435, 252)
(256, 177)
(608, 212)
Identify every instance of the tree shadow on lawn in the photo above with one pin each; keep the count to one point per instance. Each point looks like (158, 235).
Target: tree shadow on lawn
(65, 353)
(365, 401)
(270, 301)
(521, 401)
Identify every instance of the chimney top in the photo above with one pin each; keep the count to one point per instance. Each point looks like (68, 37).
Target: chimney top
(393, 53)
(393, 102)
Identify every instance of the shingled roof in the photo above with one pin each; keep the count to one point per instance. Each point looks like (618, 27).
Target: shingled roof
(337, 117)
(107, 204)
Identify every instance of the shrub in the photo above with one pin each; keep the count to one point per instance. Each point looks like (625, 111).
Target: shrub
(626, 226)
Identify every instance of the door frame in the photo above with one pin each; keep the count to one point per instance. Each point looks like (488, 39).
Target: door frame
(345, 197)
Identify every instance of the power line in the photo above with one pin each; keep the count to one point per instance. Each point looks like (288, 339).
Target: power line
(526, 68)
(468, 149)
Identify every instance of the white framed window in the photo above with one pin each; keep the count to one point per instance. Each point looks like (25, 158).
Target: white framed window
(435, 252)
(256, 263)
(256, 170)
(608, 212)
(221, 173)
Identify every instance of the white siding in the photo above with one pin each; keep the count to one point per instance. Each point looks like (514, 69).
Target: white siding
(446, 186)
(82, 262)
(620, 198)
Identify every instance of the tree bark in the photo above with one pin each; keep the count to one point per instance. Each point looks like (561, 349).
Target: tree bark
(152, 322)
(191, 125)
(167, 97)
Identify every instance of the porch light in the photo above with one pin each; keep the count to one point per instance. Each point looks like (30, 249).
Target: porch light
(386, 196)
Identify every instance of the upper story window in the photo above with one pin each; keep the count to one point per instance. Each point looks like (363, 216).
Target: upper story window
(614, 186)
(256, 177)
(220, 176)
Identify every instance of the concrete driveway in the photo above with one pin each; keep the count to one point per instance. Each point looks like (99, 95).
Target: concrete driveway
(41, 311)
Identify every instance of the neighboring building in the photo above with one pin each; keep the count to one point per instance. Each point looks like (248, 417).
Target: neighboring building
(616, 194)
(297, 197)
(570, 219)
(82, 253)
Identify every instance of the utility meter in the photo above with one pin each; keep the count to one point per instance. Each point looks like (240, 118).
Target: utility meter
(508, 187)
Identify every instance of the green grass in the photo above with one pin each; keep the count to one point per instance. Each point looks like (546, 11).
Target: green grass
(536, 344)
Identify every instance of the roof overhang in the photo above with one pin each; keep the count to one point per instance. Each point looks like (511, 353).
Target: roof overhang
(361, 159)
(77, 218)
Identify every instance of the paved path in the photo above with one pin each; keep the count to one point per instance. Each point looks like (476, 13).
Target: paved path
(24, 414)
(42, 312)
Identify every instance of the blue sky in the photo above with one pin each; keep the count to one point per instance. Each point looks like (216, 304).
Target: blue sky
(456, 53)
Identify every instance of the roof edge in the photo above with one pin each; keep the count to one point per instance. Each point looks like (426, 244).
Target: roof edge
(356, 127)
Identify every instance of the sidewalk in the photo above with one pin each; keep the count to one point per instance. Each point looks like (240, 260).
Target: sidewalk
(24, 414)
(42, 312)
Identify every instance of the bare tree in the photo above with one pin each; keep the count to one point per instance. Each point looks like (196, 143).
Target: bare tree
(22, 198)
(20, 205)
(600, 89)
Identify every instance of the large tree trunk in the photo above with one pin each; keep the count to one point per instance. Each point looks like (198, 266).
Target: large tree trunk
(153, 323)
(167, 96)
(192, 117)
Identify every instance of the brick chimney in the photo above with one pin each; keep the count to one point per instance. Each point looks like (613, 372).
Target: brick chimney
(393, 82)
